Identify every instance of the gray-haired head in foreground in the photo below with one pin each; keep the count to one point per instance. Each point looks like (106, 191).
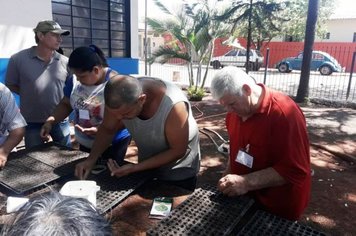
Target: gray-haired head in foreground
(122, 90)
(229, 80)
(57, 215)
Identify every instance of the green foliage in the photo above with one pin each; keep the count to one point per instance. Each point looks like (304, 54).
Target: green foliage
(195, 93)
(273, 18)
(164, 54)
(265, 18)
(297, 12)
(194, 29)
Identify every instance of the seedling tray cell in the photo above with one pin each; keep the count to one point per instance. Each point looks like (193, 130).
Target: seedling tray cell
(205, 212)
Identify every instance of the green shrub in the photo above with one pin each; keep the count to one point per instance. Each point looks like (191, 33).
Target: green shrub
(195, 93)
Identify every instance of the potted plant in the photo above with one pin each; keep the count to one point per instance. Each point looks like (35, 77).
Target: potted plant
(195, 93)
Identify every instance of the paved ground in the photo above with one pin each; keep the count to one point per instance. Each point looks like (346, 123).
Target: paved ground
(333, 138)
(334, 128)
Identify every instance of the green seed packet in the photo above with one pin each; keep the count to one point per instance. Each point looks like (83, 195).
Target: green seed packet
(161, 207)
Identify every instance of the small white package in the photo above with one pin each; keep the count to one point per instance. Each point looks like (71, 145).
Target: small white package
(82, 189)
(15, 203)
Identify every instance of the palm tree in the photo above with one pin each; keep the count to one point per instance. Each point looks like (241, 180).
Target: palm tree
(194, 30)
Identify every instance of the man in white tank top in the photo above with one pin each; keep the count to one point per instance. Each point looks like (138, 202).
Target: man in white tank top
(159, 118)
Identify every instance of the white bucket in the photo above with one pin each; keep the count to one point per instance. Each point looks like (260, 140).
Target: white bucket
(81, 188)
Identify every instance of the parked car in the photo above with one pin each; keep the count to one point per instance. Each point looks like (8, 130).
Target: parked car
(237, 57)
(321, 61)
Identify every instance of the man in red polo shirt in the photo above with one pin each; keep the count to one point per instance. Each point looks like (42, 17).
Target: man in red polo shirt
(269, 145)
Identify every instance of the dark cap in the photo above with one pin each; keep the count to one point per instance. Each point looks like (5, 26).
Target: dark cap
(50, 26)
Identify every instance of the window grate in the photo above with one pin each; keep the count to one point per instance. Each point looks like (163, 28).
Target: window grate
(103, 23)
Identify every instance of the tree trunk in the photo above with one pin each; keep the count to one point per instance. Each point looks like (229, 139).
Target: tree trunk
(303, 89)
(197, 82)
(190, 73)
(210, 53)
(249, 39)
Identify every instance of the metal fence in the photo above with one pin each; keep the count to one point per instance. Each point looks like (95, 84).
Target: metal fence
(339, 87)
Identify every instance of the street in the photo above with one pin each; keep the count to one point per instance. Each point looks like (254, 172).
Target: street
(333, 87)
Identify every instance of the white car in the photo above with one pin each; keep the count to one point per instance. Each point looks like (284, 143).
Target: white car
(237, 57)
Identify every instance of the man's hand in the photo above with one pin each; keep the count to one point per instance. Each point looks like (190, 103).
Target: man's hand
(88, 131)
(233, 185)
(82, 169)
(45, 130)
(3, 158)
(117, 170)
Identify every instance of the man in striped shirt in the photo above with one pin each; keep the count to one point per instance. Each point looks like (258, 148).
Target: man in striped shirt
(12, 124)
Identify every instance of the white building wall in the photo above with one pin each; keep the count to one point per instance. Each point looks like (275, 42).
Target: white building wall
(156, 42)
(341, 30)
(17, 20)
(19, 17)
(153, 43)
(134, 29)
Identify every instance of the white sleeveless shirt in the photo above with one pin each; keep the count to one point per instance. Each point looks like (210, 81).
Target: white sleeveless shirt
(150, 138)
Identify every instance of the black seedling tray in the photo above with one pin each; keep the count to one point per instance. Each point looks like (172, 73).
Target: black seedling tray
(205, 212)
(30, 169)
(264, 223)
(55, 155)
(114, 190)
(21, 174)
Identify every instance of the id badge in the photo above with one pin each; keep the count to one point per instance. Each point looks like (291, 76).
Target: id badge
(84, 114)
(244, 159)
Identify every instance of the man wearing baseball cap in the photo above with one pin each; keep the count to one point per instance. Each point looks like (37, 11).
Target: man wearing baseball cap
(37, 75)
(50, 26)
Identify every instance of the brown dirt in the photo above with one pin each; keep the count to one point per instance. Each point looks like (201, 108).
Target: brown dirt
(332, 206)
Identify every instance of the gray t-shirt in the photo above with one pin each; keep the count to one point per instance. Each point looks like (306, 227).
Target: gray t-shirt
(41, 84)
(10, 116)
(149, 136)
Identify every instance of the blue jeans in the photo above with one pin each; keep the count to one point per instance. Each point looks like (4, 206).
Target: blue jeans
(60, 133)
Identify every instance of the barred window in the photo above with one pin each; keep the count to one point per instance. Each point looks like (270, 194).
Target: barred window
(101, 22)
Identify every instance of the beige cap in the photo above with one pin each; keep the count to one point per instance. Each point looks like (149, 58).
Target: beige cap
(50, 26)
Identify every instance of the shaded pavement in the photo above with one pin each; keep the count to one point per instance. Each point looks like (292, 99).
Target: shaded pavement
(333, 128)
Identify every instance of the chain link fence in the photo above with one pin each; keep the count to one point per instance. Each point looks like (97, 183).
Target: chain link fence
(337, 89)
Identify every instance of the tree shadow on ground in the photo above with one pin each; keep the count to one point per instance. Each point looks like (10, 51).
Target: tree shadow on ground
(211, 115)
(332, 126)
